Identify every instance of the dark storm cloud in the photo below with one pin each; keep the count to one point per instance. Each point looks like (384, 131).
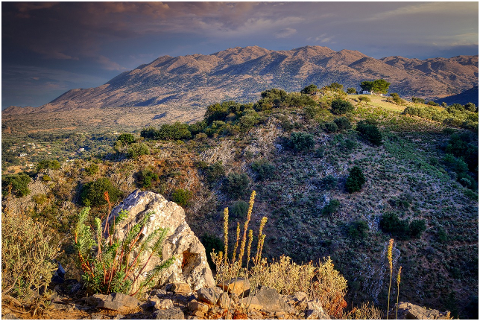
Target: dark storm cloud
(97, 40)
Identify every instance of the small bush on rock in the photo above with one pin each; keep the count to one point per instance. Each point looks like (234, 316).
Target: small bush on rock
(181, 197)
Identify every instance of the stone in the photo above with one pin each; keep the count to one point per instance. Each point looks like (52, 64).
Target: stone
(209, 295)
(315, 310)
(197, 306)
(300, 296)
(267, 299)
(118, 302)
(95, 299)
(169, 314)
(190, 265)
(224, 301)
(160, 304)
(158, 292)
(408, 310)
(238, 286)
(181, 288)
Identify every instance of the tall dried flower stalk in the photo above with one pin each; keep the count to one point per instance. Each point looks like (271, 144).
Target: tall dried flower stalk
(398, 290)
(236, 243)
(249, 246)
(247, 221)
(390, 262)
(261, 237)
(225, 232)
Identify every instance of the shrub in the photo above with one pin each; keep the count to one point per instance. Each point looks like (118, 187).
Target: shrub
(48, 164)
(175, 131)
(214, 172)
(364, 99)
(418, 100)
(126, 139)
(182, 196)
(329, 182)
(432, 103)
(92, 169)
(197, 127)
(355, 180)
(92, 193)
(370, 132)
(301, 141)
(396, 98)
(330, 127)
(343, 123)
(235, 185)
(145, 178)
(309, 90)
(239, 210)
(331, 207)
(416, 228)
(17, 184)
(46, 178)
(114, 268)
(351, 90)
(340, 106)
(138, 149)
(390, 223)
(28, 251)
(150, 133)
(263, 168)
(357, 230)
(211, 242)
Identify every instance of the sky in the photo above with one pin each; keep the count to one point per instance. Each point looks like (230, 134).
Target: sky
(49, 48)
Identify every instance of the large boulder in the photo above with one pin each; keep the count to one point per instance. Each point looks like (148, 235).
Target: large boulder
(408, 310)
(190, 265)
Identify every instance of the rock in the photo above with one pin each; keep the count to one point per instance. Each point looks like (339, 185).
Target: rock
(408, 310)
(95, 299)
(181, 288)
(118, 302)
(315, 310)
(224, 301)
(197, 306)
(238, 286)
(158, 292)
(59, 276)
(169, 314)
(209, 295)
(190, 265)
(160, 304)
(267, 299)
(300, 296)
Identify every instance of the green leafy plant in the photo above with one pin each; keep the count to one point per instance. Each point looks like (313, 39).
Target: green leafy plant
(126, 139)
(181, 196)
(300, 141)
(235, 185)
(16, 184)
(340, 106)
(355, 180)
(331, 207)
(263, 168)
(239, 210)
(138, 149)
(92, 193)
(110, 264)
(48, 164)
(92, 169)
(368, 129)
(146, 177)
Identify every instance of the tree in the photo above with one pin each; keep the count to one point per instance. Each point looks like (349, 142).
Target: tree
(126, 139)
(355, 180)
(335, 86)
(309, 90)
(351, 90)
(379, 86)
(16, 183)
(368, 129)
(92, 193)
(340, 106)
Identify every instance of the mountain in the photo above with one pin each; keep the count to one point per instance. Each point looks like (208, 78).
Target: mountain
(467, 96)
(183, 86)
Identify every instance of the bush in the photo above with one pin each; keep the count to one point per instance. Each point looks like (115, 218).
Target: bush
(418, 100)
(175, 131)
(343, 123)
(331, 207)
(330, 127)
(111, 270)
(340, 106)
(235, 185)
(364, 99)
(150, 133)
(181, 197)
(213, 172)
(138, 149)
(301, 141)
(146, 177)
(211, 242)
(92, 169)
(329, 182)
(263, 168)
(369, 131)
(351, 90)
(17, 184)
(357, 230)
(28, 251)
(309, 90)
(48, 164)
(92, 193)
(355, 180)
(46, 178)
(401, 229)
(416, 228)
(239, 210)
(126, 139)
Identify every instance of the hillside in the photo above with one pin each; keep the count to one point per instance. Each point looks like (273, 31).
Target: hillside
(298, 155)
(178, 88)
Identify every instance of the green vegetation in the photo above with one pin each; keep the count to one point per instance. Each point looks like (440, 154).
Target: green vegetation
(331, 208)
(357, 230)
(401, 229)
(300, 141)
(146, 177)
(16, 184)
(181, 197)
(239, 210)
(235, 185)
(340, 107)
(126, 139)
(93, 193)
(368, 129)
(355, 180)
(138, 149)
(263, 168)
(112, 269)
(379, 86)
(48, 164)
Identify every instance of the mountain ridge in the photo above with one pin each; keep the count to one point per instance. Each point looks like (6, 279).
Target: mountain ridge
(192, 82)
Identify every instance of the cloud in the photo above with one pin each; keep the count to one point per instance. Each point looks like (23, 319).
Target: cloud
(323, 38)
(285, 33)
(108, 64)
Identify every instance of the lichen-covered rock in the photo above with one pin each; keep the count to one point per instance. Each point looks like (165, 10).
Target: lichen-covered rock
(190, 264)
(408, 310)
(118, 302)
